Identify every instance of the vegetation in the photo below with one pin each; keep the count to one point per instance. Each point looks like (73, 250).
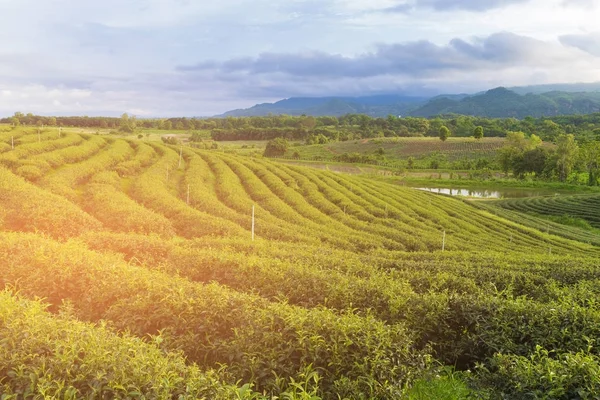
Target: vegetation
(499, 102)
(276, 147)
(128, 269)
(325, 129)
(586, 207)
(478, 132)
(444, 133)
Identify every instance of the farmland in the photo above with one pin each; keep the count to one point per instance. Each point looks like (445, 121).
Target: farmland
(133, 269)
(584, 207)
(402, 148)
(400, 153)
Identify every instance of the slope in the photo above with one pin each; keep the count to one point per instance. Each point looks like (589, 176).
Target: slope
(351, 287)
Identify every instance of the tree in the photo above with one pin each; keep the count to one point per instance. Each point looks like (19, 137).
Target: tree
(589, 155)
(434, 126)
(127, 124)
(534, 160)
(444, 133)
(464, 126)
(516, 144)
(550, 130)
(52, 121)
(276, 147)
(478, 132)
(566, 155)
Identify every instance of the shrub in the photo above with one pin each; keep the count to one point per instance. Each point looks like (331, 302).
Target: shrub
(29, 172)
(276, 147)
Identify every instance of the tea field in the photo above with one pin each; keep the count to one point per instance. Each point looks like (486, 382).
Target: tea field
(132, 269)
(585, 207)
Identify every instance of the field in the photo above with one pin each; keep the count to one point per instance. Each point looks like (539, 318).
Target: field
(453, 149)
(585, 207)
(132, 269)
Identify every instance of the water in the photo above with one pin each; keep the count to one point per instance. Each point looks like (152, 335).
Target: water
(491, 193)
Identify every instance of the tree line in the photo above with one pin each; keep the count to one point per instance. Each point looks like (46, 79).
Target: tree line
(315, 130)
(528, 155)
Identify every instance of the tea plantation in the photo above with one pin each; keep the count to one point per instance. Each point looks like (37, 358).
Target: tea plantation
(132, 269)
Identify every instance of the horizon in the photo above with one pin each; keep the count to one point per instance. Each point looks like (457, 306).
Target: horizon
(425, 99)
(154, 58)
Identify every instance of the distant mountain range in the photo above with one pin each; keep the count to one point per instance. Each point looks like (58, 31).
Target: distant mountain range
(334, 106)
(518, 102)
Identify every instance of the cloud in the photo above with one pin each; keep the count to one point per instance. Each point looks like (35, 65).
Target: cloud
(580, 3)
(590, 43)
(453, 5)
(416, 68)
(108, 57)
(415, 59)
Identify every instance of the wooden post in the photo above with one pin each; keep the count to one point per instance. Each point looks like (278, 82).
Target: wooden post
(12, 142)
(444, 241)
(180, 154)
(253, 222)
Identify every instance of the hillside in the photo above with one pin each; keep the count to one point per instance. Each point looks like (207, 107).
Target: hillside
(502, 103)
(520, 102)
(153, 287)
(327, 106)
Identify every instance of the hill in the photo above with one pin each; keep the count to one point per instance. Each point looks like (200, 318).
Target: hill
(157, 282)
(518, 102)
(501, 103)
(334, 106)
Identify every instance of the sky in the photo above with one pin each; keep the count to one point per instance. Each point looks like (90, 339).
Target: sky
(161, 58)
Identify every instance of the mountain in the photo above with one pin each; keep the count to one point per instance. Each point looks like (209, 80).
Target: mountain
(502, 103)
(335, 106)
(518, 102)
(557, 87)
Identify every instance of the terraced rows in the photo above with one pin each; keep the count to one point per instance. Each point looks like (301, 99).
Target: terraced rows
(155, 184)
(586, 206)
(542, 224)
(345, 288)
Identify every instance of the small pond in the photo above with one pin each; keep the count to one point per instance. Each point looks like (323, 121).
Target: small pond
(500, 193)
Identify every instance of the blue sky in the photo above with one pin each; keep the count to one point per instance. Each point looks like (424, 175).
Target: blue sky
(196, 58)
